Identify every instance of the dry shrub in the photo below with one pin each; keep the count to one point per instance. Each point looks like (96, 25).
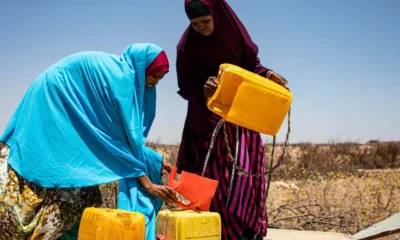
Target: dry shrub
(169, 152)
(334, 202)
(337, 157)
(389, 154)
(109, 194)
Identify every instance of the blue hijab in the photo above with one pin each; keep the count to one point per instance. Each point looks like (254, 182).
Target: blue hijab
(84, 122)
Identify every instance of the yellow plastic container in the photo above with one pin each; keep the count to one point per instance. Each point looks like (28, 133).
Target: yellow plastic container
(189, 224)
(103, 223)
(249, 100)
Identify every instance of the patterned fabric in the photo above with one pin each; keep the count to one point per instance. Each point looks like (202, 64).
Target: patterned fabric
(242, 211)
(28, 210)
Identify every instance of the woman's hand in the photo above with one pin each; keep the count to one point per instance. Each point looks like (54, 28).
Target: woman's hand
(165, 193)
(278, 79)
(166, 167)
(210, 87)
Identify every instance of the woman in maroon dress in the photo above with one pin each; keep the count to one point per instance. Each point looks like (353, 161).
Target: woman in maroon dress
(216, 36)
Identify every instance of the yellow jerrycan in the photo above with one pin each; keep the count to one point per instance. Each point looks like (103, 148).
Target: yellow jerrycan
(250, 100)
(104, 223)
(188, 225)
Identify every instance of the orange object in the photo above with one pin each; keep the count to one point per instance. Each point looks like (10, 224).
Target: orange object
(197, 189)
(160, 237)
(250, 100)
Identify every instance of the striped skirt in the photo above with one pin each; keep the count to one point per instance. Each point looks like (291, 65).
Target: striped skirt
(239, 200)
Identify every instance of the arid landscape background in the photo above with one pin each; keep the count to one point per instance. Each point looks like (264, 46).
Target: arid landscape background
(338, 187)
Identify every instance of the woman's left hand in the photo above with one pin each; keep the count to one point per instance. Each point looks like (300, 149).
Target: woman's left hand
(166, 167)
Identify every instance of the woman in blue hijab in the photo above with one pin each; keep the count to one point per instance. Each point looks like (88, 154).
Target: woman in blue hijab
(83, 122)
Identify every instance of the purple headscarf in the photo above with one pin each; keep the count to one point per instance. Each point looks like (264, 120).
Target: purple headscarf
(201, 56)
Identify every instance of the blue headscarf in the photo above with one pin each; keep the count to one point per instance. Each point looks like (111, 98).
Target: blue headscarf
(84, 122)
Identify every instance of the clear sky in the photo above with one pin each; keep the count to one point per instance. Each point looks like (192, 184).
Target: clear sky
(341, 57)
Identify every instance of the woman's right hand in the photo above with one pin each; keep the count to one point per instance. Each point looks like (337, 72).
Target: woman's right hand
(210, 87)
(165, 193)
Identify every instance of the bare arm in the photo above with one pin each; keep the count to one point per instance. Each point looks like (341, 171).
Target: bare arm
(163, 192)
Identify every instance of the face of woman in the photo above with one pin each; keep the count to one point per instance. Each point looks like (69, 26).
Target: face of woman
(203, 25)
(153, 79)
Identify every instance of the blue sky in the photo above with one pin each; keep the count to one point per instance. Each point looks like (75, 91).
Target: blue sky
(341, 57)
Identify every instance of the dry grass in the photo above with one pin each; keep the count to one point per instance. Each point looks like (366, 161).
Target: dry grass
(334, 202)
(337, 157)
(339, 187)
